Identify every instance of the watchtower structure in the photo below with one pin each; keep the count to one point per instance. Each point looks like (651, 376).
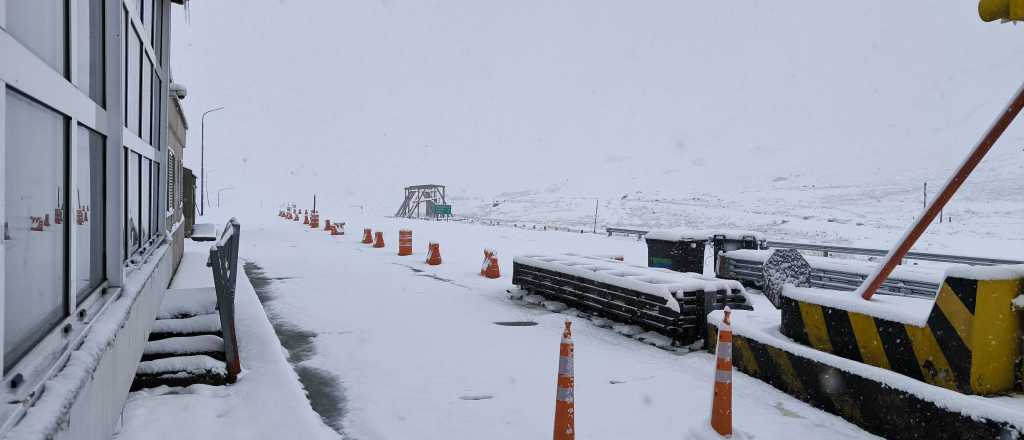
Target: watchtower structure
(425, 201)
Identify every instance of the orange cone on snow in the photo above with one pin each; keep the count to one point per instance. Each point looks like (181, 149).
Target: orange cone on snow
(367, 236)
(404, 242)
(336, 231)
(487, 261)
(433, 254)
(721, 406)
(378, 241)
(305, 219)
(491, 269)
(314, 220)
(327, 225)
(565, 426)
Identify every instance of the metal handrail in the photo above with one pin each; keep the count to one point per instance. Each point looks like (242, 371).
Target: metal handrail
(224, 262)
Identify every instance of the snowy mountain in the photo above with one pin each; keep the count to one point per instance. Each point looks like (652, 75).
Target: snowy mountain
(753, 114)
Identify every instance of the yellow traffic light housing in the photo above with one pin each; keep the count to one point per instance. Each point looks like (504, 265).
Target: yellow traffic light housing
(1010, 10)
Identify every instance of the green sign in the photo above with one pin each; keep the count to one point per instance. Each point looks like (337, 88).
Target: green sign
(442, 209)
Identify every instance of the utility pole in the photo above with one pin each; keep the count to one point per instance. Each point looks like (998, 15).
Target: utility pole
(595, 214)
(924, 198)
(202, 157)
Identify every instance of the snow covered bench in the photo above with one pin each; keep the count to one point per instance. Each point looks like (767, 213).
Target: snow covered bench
(193, 339)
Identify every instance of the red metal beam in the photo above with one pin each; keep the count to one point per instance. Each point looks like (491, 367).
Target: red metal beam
(878, 276)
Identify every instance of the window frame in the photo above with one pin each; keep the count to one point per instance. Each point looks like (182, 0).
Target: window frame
(41, 82)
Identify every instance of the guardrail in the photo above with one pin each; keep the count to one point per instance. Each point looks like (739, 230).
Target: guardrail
(922, 256)
(829, 249)
(627, 232)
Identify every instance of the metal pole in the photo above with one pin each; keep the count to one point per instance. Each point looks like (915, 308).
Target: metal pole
(878, 276)
(202, 157)
(596, 201)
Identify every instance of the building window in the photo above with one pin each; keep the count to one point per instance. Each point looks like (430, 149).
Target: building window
(131, 211)
(146, 192)
(89, 203)
(133, 87)
(41, 25)
(91, 55)
(146, 132)
(157, 109)
(158, 29)
(154, 207)
(35, 236)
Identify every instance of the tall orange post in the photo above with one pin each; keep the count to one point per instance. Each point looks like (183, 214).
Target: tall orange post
(721, 405)
(404, 242)
(565, 425)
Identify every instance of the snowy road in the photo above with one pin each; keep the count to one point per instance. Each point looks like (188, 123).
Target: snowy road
(418, 354)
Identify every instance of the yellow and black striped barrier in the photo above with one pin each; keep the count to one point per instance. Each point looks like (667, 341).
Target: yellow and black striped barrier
(970, 342)
(863, 400)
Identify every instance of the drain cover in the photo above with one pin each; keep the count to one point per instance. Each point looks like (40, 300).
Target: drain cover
(515, 323)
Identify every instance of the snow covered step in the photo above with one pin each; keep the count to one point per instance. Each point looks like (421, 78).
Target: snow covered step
(180, 371)
(209, 345)
(183, 303)
(197, 325)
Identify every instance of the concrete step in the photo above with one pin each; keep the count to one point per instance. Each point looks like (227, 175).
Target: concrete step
(180, 371)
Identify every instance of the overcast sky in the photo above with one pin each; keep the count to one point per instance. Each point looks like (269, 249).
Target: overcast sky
(359, 98)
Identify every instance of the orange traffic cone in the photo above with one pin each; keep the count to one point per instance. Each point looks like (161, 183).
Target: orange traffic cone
(721, 406)
(404, 242)
(486, 262)
(433, 254)
(565, 426)
(305, 219)
(327, 225)
(378, 241)
(335, 231)
(367, 236)
(314, 220)
(492, 270)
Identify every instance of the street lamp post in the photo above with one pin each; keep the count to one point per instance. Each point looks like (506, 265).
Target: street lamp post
(202, 158)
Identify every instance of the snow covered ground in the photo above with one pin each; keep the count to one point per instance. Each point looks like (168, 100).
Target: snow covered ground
(266, 403)
(416, 353)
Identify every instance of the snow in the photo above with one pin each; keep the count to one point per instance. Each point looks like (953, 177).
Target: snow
(186, 344)
(267, 402)
(409, 342)
(903, 309)
(195, 324)
(762, 325)
(678, 234)
(195, 364)
(188, 302)
(987, 272)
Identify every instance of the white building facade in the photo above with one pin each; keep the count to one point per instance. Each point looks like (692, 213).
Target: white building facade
(83, 197)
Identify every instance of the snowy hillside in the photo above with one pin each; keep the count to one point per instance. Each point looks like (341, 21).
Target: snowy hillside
(660, 100)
